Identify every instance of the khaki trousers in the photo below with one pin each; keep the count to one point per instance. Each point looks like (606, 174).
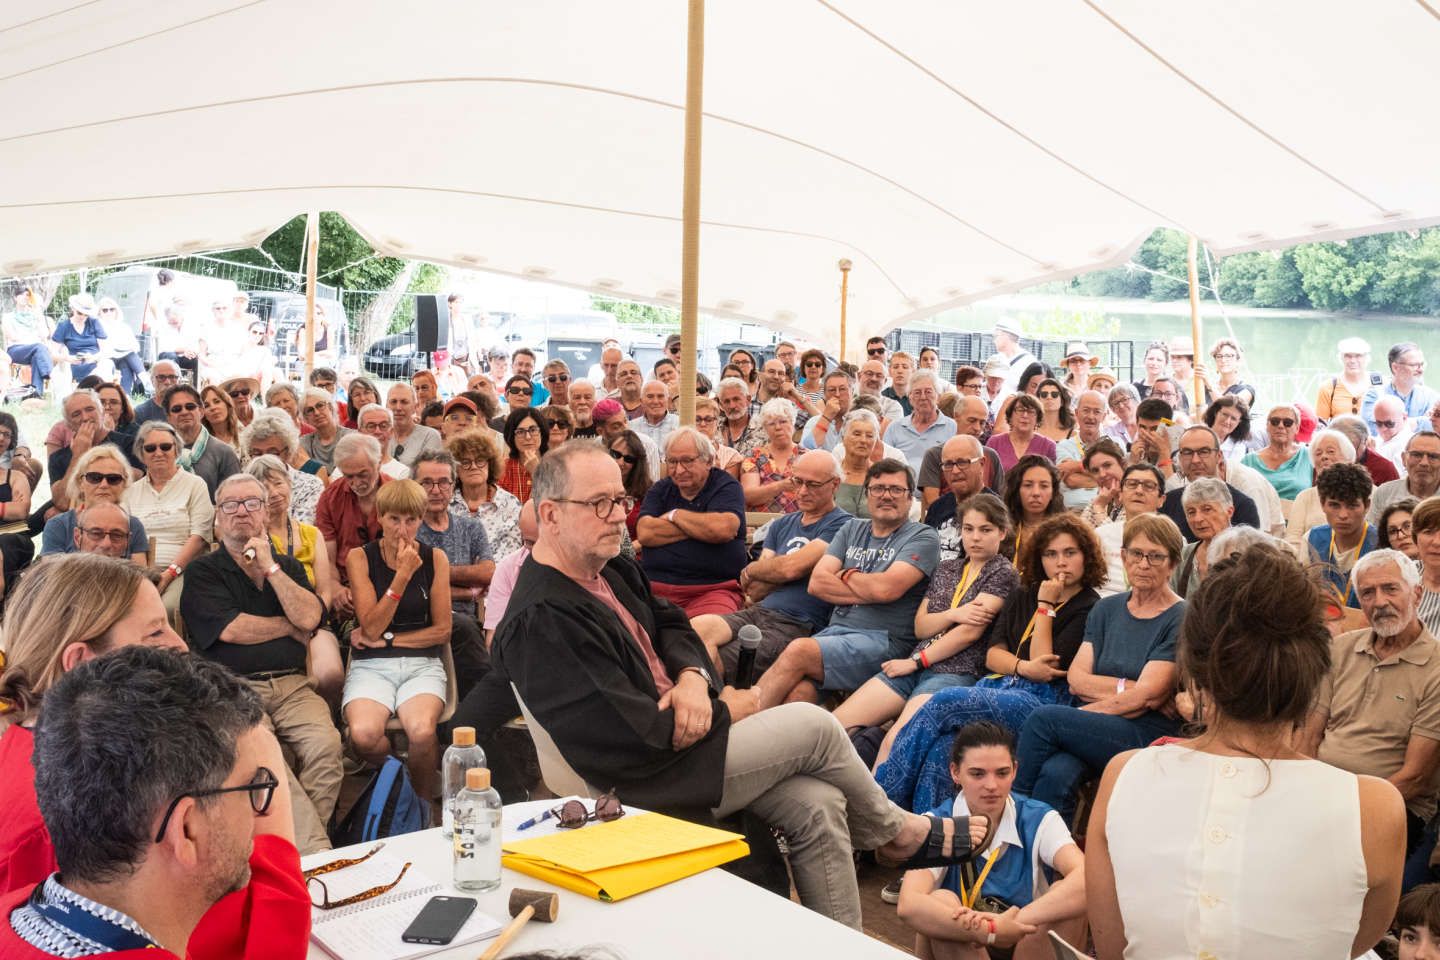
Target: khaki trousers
(301, 722)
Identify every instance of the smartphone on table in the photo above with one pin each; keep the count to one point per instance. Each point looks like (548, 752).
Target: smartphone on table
(439, 920)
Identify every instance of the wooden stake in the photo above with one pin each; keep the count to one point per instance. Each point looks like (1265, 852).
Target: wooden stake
(844, 301)
(312, 258)
(690, 228)
(1197, 386)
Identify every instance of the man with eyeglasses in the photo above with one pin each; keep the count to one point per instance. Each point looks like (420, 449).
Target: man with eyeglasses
(103, 527)
(875, 350)
(777, 382)
(408, 439)
(1199, 456)
(1164, 388)
(692, 526)
(1079, 487)
(622, 684)
(1421, 479)
(875, 573)
(961, 461)
(375, 421)
(1142, 490)
(971, 419)
(472, 565)
(776, 585)
(872, 384)
(557, 383)
(88, 428)
(925, 427)
(656, 422)
(823, 432)
(209, 459)
(632, 384)
(196, 859)
(1407, 375)
(252, 609)
(164, 374)
(1393, 429)
(345, 513)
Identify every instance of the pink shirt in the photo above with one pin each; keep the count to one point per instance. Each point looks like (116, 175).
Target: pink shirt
(600, 590)
(497, 597)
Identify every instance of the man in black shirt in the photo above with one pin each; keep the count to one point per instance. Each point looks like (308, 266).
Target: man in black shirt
(257, 615)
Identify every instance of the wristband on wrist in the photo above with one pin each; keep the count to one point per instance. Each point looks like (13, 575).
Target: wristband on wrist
(271, 571)
(1120, 685)
(671, 515)
(1048, 611)
(175, 569)
(990, 937)
(924, 660)
(392, 594)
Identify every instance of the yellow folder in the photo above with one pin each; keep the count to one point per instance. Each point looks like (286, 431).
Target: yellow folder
(615, 860)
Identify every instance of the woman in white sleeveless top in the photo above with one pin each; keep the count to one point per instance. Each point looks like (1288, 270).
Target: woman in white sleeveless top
(1234, 846)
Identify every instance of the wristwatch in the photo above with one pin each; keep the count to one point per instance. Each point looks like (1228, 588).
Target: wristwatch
(915, 656)
(389, 637)
(704, 674)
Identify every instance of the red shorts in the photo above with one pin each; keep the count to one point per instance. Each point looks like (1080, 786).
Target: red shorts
(696, 599)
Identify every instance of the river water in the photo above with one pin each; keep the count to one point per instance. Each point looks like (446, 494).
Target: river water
(1288, 355)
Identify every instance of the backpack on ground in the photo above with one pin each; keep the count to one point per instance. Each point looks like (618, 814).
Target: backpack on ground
(387, 807)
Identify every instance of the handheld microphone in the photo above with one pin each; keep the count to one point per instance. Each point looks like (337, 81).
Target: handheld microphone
(749, 639)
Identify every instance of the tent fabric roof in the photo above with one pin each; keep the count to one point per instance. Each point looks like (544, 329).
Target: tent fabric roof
(951, 150)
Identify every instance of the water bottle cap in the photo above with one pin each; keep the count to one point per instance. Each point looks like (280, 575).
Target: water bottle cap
(477, 778)
(463, 736)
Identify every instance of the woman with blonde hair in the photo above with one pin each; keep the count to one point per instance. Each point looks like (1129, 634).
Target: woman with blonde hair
(101, 474)
(64, 611)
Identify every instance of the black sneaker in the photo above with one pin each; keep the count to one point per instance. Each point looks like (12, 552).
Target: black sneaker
(890, 893)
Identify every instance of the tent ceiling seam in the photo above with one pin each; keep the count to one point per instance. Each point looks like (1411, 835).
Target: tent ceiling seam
(245, 191)
(1214, 98)
(125, 43)
(49, 16)
(996, 118)
(384, 84)
(1425, 5)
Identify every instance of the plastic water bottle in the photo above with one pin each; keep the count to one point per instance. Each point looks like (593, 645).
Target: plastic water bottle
(463, 754)
(477, 833)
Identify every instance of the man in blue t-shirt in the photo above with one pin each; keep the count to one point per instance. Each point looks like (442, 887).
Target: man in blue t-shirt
(692, 526)
(775, 585)
(875, 572)
(1031, 873)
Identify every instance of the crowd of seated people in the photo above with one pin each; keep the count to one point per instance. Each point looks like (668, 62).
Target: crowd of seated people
(999, 620)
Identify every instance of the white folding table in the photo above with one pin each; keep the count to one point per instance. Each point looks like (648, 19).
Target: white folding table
(710, 915)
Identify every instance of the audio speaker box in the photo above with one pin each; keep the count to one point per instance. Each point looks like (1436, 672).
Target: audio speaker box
(432, 323)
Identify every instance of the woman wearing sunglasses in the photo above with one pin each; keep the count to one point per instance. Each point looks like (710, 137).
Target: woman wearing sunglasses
(528, 440)
(402, 601)
(559, 425)
(62, 613)
(101, 475)
(121, 345)
(811, 379)
(1283, 462)
(1058, 420)
(630, 457)
(173, 504)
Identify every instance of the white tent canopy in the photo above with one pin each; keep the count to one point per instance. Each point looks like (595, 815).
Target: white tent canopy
(952, 150)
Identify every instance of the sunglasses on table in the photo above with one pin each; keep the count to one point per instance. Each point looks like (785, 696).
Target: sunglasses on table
(261, 789)
(571, 815)
(314, 874)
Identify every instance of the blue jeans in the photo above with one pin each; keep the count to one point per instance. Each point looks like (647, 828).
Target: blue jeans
(37, 355)
(130, 369)
(1061, 747)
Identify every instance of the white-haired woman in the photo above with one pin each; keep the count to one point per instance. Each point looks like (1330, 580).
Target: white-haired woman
(1343, 394)
(860, 446)
(318, 410)
(302, 540)
(1208, 509)
(1327, 447)
(1283, 462)
(272, 433)
(765, 474)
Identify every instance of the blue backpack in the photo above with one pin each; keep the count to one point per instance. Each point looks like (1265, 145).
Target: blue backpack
(388, 806)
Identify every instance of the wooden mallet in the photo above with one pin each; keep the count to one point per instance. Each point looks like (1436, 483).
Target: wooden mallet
(524, 904)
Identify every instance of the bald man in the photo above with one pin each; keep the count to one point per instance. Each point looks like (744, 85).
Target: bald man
(962, 461)
(971, 415)
(776, 584)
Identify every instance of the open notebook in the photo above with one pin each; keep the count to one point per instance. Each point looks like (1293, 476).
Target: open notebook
(371, 929)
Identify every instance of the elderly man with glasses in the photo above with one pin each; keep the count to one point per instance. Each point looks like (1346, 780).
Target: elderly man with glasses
(1407, 384)
(164, 374)
(104, 528)
(1422, 475)
(962, 464)
(692, 526)
(1199, 456)
(252, 609)
(375, 421)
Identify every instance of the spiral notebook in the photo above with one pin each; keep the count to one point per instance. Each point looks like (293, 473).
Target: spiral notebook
(371, 929)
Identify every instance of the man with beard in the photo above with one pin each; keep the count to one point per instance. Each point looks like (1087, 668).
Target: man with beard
(1378, 712)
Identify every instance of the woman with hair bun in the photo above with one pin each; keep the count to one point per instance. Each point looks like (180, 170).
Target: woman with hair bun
(1234, 844)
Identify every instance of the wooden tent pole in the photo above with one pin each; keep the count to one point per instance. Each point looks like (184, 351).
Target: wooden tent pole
(312, 258)
(690, 229)
(844, 302)
(1197, 386)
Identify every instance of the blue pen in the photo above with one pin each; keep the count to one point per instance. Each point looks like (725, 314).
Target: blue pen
(527, 824)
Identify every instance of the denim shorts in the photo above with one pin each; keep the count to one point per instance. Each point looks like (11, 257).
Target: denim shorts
(925, 683)
(850, 656)
(390, 681)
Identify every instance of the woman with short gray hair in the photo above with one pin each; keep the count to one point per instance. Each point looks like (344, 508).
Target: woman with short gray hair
(1208, 507)
(1285, 463)
(1327, 447)
(272, 434)
(765, 473)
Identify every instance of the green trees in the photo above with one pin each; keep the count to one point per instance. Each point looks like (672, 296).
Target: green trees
(1389, 272)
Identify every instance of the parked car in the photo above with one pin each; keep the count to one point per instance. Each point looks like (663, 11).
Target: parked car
(394, 357)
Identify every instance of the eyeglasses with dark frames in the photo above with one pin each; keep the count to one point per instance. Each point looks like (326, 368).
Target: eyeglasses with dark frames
(603, 506)
(109, 479)
(261, 789)
(188, 407)
(571, 815)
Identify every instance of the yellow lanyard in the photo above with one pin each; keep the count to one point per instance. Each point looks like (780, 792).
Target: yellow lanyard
(1030, 627)
(969, 899)
(1019, 534)
(966, 579)
(1330, 557)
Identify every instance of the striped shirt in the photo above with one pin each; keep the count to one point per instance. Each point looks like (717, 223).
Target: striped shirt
(59, 941)
(1429, 610)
